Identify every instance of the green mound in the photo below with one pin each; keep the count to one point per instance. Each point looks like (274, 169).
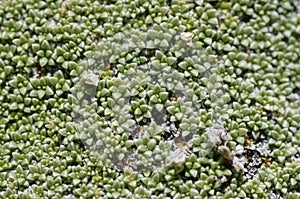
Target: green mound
(149, 99)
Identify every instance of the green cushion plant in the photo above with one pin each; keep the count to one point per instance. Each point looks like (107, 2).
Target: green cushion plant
(140, 99)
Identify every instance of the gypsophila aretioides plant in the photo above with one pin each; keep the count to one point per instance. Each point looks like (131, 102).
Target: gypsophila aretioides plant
(141, 97)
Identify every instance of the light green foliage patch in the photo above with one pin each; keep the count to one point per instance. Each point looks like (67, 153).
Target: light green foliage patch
(149, 99)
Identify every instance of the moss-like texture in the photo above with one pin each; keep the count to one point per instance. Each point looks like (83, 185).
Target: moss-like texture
(149, 99)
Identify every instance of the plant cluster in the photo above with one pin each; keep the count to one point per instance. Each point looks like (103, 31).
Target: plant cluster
(140, 99)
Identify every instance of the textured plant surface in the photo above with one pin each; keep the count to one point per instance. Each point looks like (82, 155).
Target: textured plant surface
(140, 99)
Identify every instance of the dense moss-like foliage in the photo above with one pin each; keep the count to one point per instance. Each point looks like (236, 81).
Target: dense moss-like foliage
(149, 99)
